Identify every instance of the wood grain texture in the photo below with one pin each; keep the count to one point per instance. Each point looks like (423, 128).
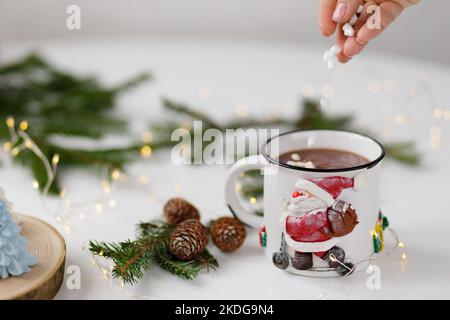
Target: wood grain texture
(46, 277)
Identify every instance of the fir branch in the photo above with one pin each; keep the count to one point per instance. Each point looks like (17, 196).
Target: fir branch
(56, 102)
(186, 110)
(207, 261)
(188, 270)
(131, 258)
(155, 229)
(183, 109)
(404, 152)
(312, 117)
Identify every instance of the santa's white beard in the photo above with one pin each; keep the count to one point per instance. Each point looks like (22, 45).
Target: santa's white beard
(306, 205)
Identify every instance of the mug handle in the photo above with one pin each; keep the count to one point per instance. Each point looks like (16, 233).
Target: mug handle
(234, 204)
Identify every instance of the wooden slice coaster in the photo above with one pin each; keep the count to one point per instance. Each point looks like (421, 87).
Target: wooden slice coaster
(45, 278)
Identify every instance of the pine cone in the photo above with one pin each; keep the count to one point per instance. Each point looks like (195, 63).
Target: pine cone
(178, 210)
(228, 234)
(188, 240)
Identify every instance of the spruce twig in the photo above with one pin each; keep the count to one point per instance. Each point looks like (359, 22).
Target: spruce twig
(132, 259)
(56, 102)
(404, 152)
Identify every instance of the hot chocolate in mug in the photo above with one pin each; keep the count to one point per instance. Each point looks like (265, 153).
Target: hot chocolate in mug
(317, 221)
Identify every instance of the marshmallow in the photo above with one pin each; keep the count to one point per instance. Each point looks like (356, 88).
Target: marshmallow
(295, 157)
(335, 50)
(360, 9)
(330, 57)
(348, 30)
(301, 164)
(353, 20)
(327, 56)
(331, 64)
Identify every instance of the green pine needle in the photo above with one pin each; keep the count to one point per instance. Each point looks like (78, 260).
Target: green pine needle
(59, 103)
(132, 259)
(404, 152)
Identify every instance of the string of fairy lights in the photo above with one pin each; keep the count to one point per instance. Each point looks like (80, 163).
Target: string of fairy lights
(65, 210)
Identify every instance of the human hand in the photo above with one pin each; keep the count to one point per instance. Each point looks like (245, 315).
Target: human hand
(374, 19)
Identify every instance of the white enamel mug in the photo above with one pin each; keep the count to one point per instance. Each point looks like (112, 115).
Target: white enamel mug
(354, 187)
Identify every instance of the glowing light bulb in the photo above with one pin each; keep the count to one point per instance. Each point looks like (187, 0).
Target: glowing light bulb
(204, 93)
(98, 207)
(112, 203)
(144, 179)
(438, 113)
(400, 119)
(146, 151)
(23, 125)
(308, 90)
(15, 152)
(116, 174)
(447, 114)
(241, 110)
(328, 91)
(55, 159)
(35, 184)
(10, 122)
(63, 192)
(252, 200)
(374, 87)
(106, 187)
(7, 146)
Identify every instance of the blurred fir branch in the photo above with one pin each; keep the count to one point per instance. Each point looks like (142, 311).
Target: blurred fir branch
(310, 116)
(58, 103)
(131, 259)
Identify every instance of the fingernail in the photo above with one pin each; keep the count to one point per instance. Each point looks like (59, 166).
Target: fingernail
(347, 55)
(360, 42)
(339, 12)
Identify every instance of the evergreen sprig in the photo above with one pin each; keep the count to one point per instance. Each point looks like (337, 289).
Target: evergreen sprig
(58, 103)
(188, 270)
(310, 116)
(132, 259)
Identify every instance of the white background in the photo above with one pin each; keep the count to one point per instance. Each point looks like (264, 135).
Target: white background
(422, 31)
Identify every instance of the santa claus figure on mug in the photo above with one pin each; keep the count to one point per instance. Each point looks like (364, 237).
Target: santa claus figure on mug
(314, 222)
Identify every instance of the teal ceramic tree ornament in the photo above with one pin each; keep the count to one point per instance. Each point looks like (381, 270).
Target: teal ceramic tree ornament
(14, 256)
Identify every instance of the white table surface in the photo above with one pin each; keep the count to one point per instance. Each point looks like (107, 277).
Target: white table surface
(268, 78)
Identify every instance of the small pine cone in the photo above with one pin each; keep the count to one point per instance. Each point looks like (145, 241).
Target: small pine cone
(228, 234)
(188, 240)
(178, 210)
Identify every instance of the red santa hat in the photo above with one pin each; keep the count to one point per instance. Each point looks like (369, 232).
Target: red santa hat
(329, 188)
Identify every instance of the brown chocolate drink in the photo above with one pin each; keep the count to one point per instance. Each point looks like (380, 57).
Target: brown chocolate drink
(323, 158)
